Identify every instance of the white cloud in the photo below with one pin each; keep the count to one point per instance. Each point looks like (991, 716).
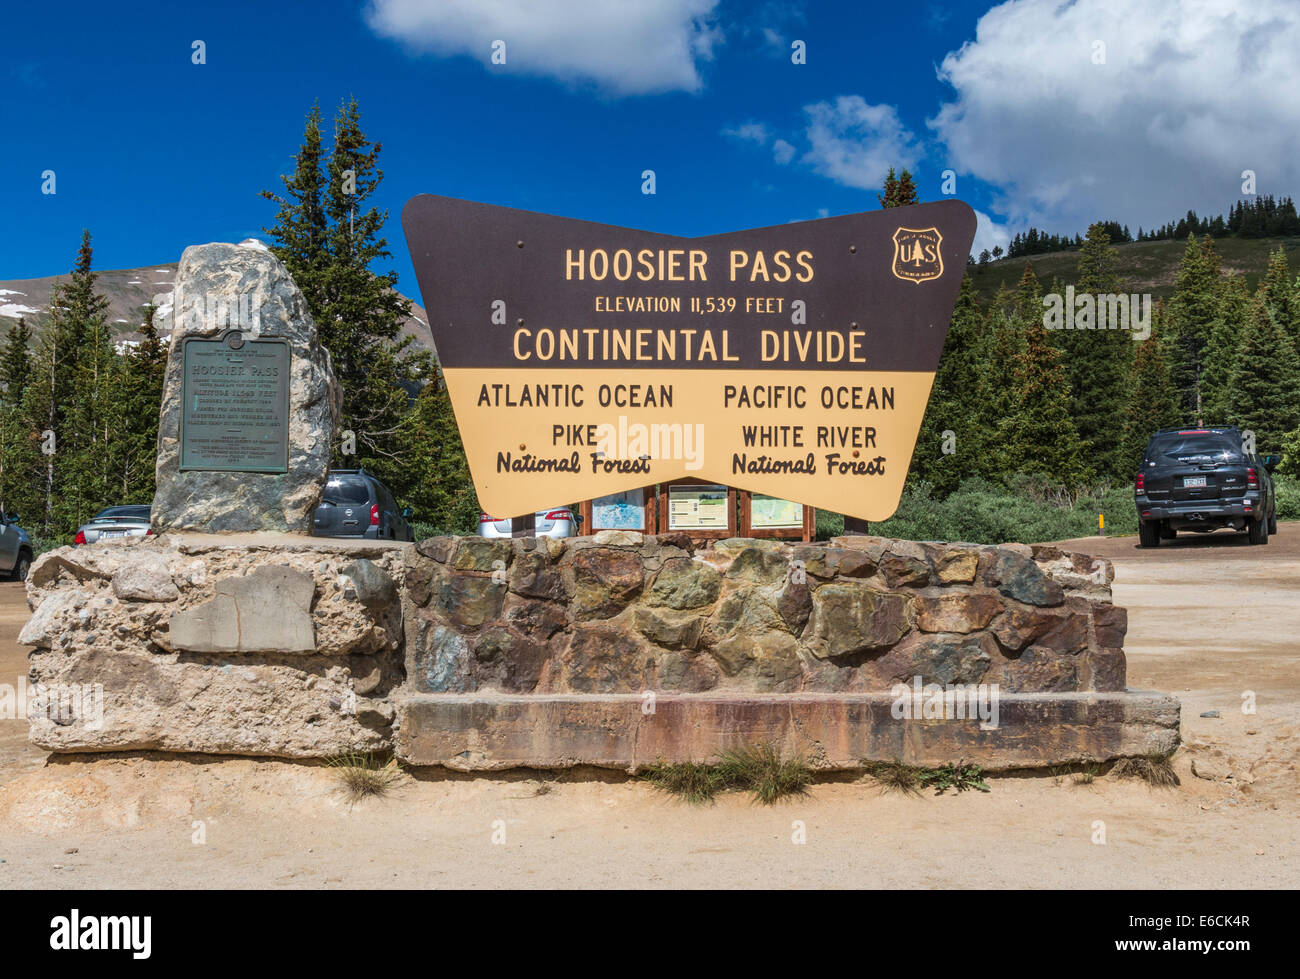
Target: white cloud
(1191, 93)
(628, 48)
(782, 151)
(988, 234)
(751, 132)
(855, 143)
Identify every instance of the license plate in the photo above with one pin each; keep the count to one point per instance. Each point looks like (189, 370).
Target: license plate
(1192, 482)
(112, 533)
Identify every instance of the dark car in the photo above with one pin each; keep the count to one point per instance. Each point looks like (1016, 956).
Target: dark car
(1203, 479)
(356, 504)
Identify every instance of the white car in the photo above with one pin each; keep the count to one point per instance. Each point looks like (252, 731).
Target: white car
(547, 523)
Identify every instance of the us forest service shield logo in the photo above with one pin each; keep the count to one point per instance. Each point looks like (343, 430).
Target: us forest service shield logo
(916, 254)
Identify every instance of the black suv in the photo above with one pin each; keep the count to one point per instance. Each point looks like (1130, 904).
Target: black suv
(356, 504)
(1202, 479)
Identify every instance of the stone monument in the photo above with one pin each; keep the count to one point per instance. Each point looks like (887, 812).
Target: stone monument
(617, 650)
(249, 400)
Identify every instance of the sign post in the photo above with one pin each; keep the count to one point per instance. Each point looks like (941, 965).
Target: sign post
(585, 360)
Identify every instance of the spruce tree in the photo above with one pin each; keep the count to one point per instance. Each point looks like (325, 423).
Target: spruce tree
(300, 232)
(1043, 442)
(997, 403)
(1233, 309)
(1152, 403)
(93, 421)
(15, 367)
(953, 404)
(900, 190)
(61, 414)
(1096, 361)
(444, 497)
(15, 363)
(1278, 291)
(329, 237)
(131, 464)
(1193, 308)
(1265, 387)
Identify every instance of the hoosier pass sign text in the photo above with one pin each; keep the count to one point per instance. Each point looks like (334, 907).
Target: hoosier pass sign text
(585, 359)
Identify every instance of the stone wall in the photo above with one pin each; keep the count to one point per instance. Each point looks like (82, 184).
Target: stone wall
(285, 647)
(474, 653)
(622, 613)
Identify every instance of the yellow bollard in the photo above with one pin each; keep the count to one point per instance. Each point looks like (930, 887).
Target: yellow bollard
(1101, 524)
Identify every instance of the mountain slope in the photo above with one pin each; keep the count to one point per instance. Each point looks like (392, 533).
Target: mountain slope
(1146, 266)
(127, 290)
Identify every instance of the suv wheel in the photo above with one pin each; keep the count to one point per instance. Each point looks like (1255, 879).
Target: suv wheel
(23, 566)
(1257, 531)
(1272, 522)
(1149, 533)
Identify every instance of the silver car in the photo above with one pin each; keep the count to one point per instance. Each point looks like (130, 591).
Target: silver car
(114, 522)
(557, 522)
(15, 547)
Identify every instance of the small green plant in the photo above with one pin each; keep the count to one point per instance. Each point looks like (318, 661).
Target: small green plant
(364, 774)
(761, 769)
(1155, 769)
(894, 776)
(692, 782)
(756, 768)
(959, 776)
(1086, 774)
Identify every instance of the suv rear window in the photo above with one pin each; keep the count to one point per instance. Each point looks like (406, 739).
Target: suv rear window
(341, 490)
(1195, 447)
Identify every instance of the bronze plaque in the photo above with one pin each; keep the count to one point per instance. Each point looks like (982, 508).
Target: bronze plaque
(585, 360)
(235, 404)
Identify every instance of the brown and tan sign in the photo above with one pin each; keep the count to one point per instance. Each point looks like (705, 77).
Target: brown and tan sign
(585, 359)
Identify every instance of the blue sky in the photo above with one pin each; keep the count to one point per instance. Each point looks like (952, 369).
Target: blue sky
(152, 152)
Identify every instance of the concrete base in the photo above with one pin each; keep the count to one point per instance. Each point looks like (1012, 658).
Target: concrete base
(482, 732)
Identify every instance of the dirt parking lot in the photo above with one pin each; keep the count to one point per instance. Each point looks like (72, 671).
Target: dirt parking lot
(1210, 620)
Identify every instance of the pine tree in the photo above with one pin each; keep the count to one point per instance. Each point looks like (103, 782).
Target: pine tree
(130, 466)
(1097, 361)
(997, 403)
(953, 397)
(328, 238)
(1043, 441)
(15, 367)
(15, 363)
(1233, 310)
(1152, 403)
(1265, 393)
(445, 497)
(900, 191)
(93, 420)
(300, 232)
(61, 413)
(1193, 309)
(1279, 294)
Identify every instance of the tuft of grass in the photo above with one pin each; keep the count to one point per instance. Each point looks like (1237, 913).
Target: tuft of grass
(959, 776)
(756, 768)
(690, 781)
(1086, 774)
(894, 776)
(1155, 769)
(364, 774)
(761, 769)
